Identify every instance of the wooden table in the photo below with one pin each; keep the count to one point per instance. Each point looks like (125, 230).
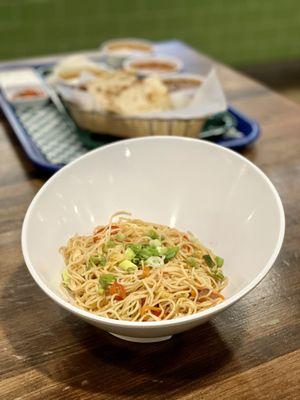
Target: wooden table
(251, 351)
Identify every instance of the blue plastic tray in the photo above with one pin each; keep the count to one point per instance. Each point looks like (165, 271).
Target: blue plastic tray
(44, 149)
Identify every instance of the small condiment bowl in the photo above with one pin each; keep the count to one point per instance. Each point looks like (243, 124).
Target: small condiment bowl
(116, 51)
(26, 95)
(159, 65)
(183, 82)
(182, 88)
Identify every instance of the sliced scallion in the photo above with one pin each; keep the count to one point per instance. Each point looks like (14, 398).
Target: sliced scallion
(219, 261)
(191, 262)
(207, 258)
(106, 279)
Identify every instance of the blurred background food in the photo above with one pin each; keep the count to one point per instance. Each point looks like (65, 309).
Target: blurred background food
(259, 37)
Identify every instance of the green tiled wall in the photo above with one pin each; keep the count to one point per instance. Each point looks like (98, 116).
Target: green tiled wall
(234, 31)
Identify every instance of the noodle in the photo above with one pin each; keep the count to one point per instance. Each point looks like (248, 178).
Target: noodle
(139, 271)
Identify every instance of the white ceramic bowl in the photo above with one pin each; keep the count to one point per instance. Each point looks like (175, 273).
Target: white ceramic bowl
(225, 200)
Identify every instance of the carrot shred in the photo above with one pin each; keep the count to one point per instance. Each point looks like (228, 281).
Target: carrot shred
(146, 271)
(214, 295)
(96, 238)
(117, 289)
(99, 229)
(142, 301)
(154, 310)
(114, 229)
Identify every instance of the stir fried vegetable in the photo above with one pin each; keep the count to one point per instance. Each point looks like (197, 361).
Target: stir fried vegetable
(171, 252)
(65, 276)
(207, 258)
(153, 234)
(97, 260)
(215, 266)
(191, 262)
(118, 290)
(145, 251)
(106, 279)
(219, 261)
(128, 266)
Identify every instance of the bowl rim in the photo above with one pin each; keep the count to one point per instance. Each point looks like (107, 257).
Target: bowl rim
(185, 75)
(103, 47)
(165, 323)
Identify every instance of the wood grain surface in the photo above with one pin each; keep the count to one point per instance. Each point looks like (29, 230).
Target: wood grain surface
(251, 351)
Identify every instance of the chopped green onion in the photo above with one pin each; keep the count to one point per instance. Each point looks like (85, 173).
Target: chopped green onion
(129, 254)
(136, 260)
(142, 252)
(147, 251)
(128, 266)
(98, 260)
(155, 261)
(219, 261)
(161, 250)
(218, 275)
(111, 244)
(136, 247)
(153, 234)
(191, 262)
(106, 279)
(155, 243)
(100, 290)
(207, 258)
(171, 252)
(102, 261)
(65, 276)
(120, 236)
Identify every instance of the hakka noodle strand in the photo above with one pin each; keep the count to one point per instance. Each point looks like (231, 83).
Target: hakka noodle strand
(140, 271)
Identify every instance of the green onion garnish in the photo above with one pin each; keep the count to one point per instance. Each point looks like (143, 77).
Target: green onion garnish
(65, 276)
(128, 266)
(111, 244)
(129, 254)
(155, 243)
(120, 236)
(191, 262)
(207, 258)
(98, 260)
(218, 275)
(144, 251)
(171, 252)
(153, 234)
(219, 261)
(106, 279)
